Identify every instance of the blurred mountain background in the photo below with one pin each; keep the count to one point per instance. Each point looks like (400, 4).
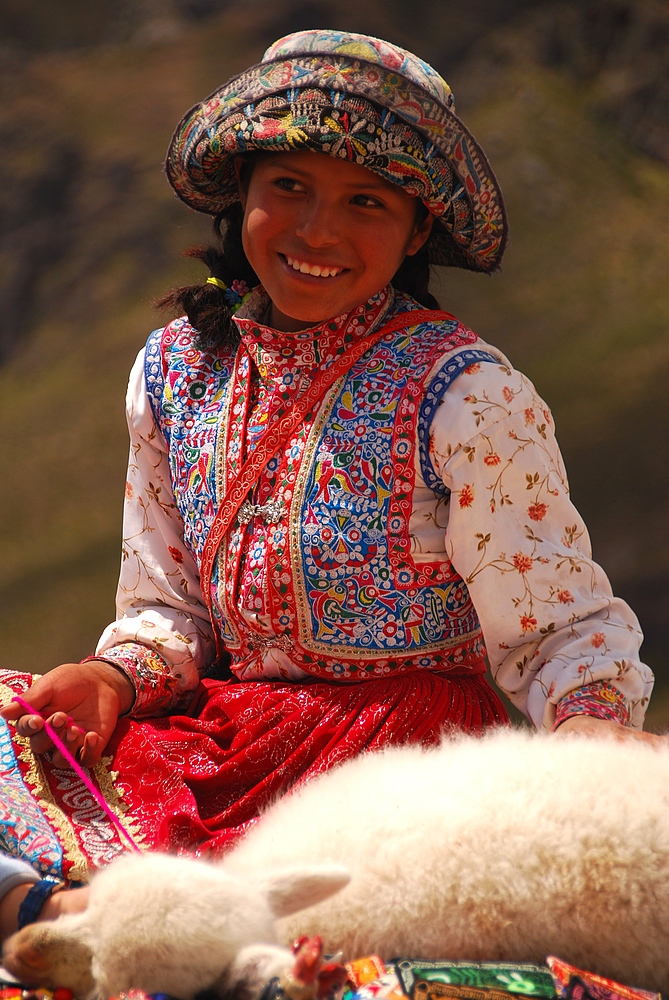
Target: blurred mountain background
(569, 99)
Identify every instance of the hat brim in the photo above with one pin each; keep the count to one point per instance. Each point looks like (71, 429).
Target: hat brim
(352, 110)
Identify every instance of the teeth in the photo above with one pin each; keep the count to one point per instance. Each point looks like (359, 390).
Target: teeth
(314, 269)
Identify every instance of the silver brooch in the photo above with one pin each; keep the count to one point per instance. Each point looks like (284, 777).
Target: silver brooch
(271, 511)
(285, 643)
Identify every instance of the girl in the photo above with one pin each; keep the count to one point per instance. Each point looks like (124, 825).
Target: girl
(335, 492)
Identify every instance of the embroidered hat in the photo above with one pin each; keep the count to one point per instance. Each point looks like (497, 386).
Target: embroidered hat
(361, 99)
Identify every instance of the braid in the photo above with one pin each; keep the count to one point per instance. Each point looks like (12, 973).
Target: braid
(209, 309)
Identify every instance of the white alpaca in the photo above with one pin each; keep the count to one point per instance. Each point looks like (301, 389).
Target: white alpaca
(171, 925)
(510, 847)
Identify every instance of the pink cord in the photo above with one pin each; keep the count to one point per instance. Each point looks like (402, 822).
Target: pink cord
(59, 744)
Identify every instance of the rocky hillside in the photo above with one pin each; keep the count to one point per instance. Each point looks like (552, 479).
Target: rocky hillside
(569, 99)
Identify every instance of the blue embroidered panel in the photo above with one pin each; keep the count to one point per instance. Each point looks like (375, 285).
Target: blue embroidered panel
(187, 401)
(154, 375)
(24, 830)
(362, 586)
(434, 393)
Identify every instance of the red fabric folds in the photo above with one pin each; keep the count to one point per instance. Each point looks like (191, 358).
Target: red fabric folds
(196, 783)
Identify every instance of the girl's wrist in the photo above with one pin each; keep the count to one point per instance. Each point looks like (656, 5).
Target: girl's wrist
(115, 678)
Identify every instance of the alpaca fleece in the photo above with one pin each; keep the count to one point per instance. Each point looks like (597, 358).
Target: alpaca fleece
(510, 847)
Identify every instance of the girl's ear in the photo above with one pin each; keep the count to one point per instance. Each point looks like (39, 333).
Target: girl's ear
(420, 234)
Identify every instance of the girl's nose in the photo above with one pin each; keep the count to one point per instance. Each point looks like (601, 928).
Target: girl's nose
(318, 224)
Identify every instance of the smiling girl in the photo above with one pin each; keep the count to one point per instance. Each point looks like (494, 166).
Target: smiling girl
(336, 492)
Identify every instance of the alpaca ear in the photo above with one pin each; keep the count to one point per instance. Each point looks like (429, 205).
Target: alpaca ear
(295, 889)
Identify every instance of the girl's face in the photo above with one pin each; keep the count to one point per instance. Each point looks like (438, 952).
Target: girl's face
(324, 235)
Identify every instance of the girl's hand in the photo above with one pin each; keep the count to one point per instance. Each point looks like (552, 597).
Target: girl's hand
(588, 725)
(92, 694)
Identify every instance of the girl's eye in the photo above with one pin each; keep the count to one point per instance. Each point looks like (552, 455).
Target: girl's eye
(366, 201)
(288, 184)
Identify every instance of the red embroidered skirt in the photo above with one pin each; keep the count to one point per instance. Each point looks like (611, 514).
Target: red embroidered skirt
(194, 783)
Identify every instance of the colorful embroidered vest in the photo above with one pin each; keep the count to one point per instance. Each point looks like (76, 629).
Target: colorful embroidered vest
(345, 597)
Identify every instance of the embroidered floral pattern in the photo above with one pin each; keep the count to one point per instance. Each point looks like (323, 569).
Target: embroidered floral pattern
(601, 700)
(24, 829)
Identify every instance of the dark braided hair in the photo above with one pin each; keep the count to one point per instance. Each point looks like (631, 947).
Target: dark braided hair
(206, 307)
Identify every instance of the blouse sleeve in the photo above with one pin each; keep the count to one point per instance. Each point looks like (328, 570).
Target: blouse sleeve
(162, 638)
(559, 642)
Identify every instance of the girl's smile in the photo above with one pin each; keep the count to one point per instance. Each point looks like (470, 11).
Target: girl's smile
(318, 270)
(324, 235)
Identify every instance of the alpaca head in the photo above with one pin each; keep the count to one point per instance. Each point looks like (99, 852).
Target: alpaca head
(169, 924)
